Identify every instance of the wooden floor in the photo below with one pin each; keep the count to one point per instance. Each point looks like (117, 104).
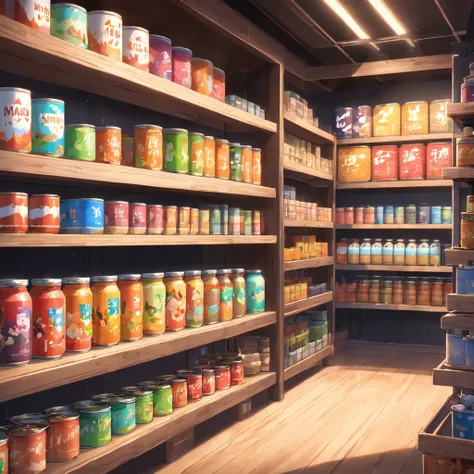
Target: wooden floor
(359, 416)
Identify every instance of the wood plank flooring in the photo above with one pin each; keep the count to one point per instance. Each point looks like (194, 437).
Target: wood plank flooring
(359, 416)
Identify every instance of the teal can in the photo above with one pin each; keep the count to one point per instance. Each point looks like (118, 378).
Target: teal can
(69, 23)
(235, 162)
(80, 142)
(255, 291)
(95, 421)
(215, 220)
(47, 127)
(123, 414)
(436, 215)
(446, 215)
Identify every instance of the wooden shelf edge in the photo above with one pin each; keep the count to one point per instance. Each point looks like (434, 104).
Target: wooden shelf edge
(460, 303)
(396, 226)
(310, 173)
(290, 309)
(308, 263)
(309, 362)
(462, 173)
(145, 437)
(458, 111)
(394, 268)
(391, 307)
(319, 135)
(312, 224)
(43, 374)
(449, 377)
(458, 256)
(421, 183)
(395, 139)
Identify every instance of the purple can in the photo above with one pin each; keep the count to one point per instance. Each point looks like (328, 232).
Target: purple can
(160, 56)
(181, 58)
(343, 121)
(362, 127)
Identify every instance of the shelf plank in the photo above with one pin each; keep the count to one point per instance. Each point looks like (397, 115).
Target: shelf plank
(458, 320)
(461, 112)
(420, 183)
(309, 362)
(62, 169)
(304, 223)
(309, 173)
(462, 173)
(41, 375)
(290, 309)
(105, 240)
(33, 54)
(391, 307)
(460, 303)
(146, 437)
(458, 256)
(306, 131)
(449, 377)
(308, 263)
(426, 137)
(394, 268)
(396, 226)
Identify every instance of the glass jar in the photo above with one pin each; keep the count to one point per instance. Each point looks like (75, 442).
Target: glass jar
(359, 215)
(353, 253)
(212, 296)
(386, 295)
(154, 297)
(255, 289)
(369, 215)
(399, 252)
(376, 252)
(364, 252)
(410, 252)
(194, 299)
(397, 292)
(348, 215)
(362, 295)
(387, 252)
(423, 253)
(410, 214)
(410, 291)
(226, 305)
(388, 215)
(341, 252)
(447, 288)
(175, 309)
(340, 215)
(423, 292)
(351, 292)
(374, 291)
(435, 253)
(437, 297)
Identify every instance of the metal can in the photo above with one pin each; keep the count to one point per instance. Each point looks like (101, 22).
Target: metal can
(180, 392)
(467, 230)
(63, 435)
(15, 128)
(246, 222)
(415, 117)
(69, 23)
(236, 372)
(235, 162)
(116, 217)
(465, 148)
(218, 84)
(388, 214)
(184, 220)
(4, 451)
(131, 309)
(13, 213)
(49, 310)
(194, 221)
(424, 212)
(224, 211)
(202, 76)
(194, 299)
(78, 313)
(160, 56)
(204, 224)
(463, 425)
(399, 215)
(234, 221)
(33, 13)
(108, 145)
(358, 215)
(104, 31)
(143, 403)
(215, 220)
(379, 213)
(79, 142)
(343, 122)
(128, 151)
(171, 220)
(208, 381)
(181, 70)
(246, 163)
(47, 126)
(436, 215)
(209, 157)
(136, 47)
(211, 297)
(95, 421)
(386, 120)
(162, 399)
(154, 219)
(438, 156)
(44, 213)
(446, 215)
(470, 203)
(123, 414)
(149, 147)
(196, 154)
(412, 161)
(175, 309)
(90, 212)
(256, 223)
(256, 166)
(105, 310)
(175, 143)
(222, 159)
(194, 384)
(354, 164)
(223, 379)
(362, 127)
(384, 162)
(439, 120)
(154, 297)
(137, 218)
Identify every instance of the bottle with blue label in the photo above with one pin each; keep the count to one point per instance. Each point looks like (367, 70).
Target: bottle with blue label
(423, 253)
(353, 253)
(389, 215)
(387, 252)
(376, 252)
(410, 252)
(379, 215)
(364, 252)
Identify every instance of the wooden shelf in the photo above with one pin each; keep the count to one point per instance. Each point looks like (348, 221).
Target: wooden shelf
(309, 362)
(394, 268)
(290, 309)
(306, 131)
(305, 172)
(450, 377)
(462, 173)
(457, 320)
(391, 307)
(420, 183)
(461, 112)
(460, 303)
(105, 240)
(458, 256)
(308, 263)
(45, 374)
(146, 437)
(395, 140)
(45, 167)
(396, 226)
(43, 57)
(313, 224)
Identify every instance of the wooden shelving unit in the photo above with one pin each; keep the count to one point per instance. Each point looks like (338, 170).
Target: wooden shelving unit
(460, 303)
(464, 173)
(391, 307)
(306, 131)
(301, 172)
(396, 226)
(307, 303)
(420, 183)
(458, 256)
(396, 140)
(457, 320)
(311, 224)
(453, 377)
(461, 112)
(308, 263)
(394, 268)
(309, 362)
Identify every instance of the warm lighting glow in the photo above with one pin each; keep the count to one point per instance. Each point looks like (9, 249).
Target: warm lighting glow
(388, 17)
(347, 18)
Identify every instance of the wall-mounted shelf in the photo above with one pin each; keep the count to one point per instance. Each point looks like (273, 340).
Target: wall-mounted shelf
(461, 112)
(391, 307)
(308, 263)
(306, 131)
(305, 304)
(395, 140)
(460, 303)
(309, 362)
(302, 172)
(394, 268)
(421, 183)
(312, 224)
(396, 226)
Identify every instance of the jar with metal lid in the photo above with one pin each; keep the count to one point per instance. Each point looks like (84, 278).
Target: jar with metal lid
(465, 148)
(353, 253)
(363, 291)
(423, 292)
(437, 296)
(239, 294)
(212, 299)
(226, 304)
(410, 214)
(154, 297)
(397, 291)
(399, 215)
(435, 253)
(105, 310)
(386, 294)
(131, 309)
(340, 291)
(194, 299)
(342, 252)
(175, 309)
(447, 288)
(388, 214)
(374, 291)
(467, 230)
(410, 295)
(348, 215)
(388, 252)
(376, 252)
(410, 252)
(369, 215)
(399, 252)
(423, 253)
(364, 252)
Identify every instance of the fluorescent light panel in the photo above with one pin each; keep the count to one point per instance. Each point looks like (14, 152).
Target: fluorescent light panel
(347, 18)
(388, 17)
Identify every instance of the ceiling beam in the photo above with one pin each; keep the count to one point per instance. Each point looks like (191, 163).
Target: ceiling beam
(378, 68)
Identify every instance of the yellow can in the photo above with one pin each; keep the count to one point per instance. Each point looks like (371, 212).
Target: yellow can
(105, 310)
(415, 118)
(439, 120)
(387, 120)
(354, 164)
(154, 298)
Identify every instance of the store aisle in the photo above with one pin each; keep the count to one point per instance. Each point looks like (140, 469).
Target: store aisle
(360, 416)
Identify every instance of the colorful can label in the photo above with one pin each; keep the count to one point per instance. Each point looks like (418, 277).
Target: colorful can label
(116, 217)
(15, 128)
(215, 220)
(446, 215)
(379, 215)
(144, 407)
(204, 223)
(194, 301)
(224, 210)
(131, 308)
(154, 297)
(209, 157)
(424, 214)
(412, 160)
(388, 215)
(196, 154)
(106, 313)
(171, 220)
(184, 220)
(34, 13)
(154, 219)
(202, 75)
(69, 23)
(211, 299)
(256, 223)
(137, 218)
(247, 164)
(222, 159)
(80, 142)
(96, 425)
(149, 147)
(63, 436)
(48, 127)
(175, 309)
(246, 222)
(438, 156)
(385, 162)
(218, 84)
(91, 215)
(436, 214)
(194, 221)
(160, 56)
(123, 415)
(13, 213)
(256, 166)
(234, 221)
(463, 418)
(181, 58)
(136, 47)
(255, 293)
(226, 304)
(44, 213)
(343, 121)
(108, 145)
(235, 162)
(175, 142)
(104, 31)
(162, 400)
(399, 215)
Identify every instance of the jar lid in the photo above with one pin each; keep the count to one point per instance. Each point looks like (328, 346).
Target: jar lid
(224, 271)
(254, 271)
(12, 283)
(108, 127)
(256, 149)
(79, 125)
(116, 202)
(209, 272)
(76, 280)
(177, 380)
(196, 134)
(146, 383)
(174, 130)
(245, 146)
(174, 274)
(201, 59)
(192, 273)
(104, 279)
(180, 48)
(218, 69)
(46, 281)
(183, 372)
(147, 125)
(151, 276)
(94, 408)
(220, 367)
(236, 145)
(237, 270)
(209, 137)
(165, 378)
(221, 140)
(164, 38)
(129, 277)
(102, 396)
(135, 28)
(28, 430)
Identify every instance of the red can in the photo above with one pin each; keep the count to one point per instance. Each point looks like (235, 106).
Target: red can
(208, 381)
(49, 310)
(412, 160)
(4, 452)
(222, 377)
(16, 327)
(63, 443)
(154, 219)
(160, 56)
(14, 213)
(181, 58)
(358, 215)
(218, 85)
(438, 156)
(348, 215)
(137, 218)
(180, 392)
(194, 382)
(236, 372)
(44, 213)
(116, 217)
(340, 218)
(385, 163)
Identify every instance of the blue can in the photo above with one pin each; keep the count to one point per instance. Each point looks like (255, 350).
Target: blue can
(91, 215)
(463, 422)
(73, 220)
(379, 215)
(469, 342)
(47, 127)
(388, 215)
(465, 280)
(424, 212)
(455, 348)
(436, 214)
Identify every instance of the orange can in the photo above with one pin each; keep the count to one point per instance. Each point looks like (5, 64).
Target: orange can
(209, 157)
(13, 213)
(149, 147)
(128, 150)
(246, 163)
(202, 76)
(131, 309)
(256, 166)
(4, 452)
(105, 310)
(194, 227)
(44, 213)
(78, 313)
(63, 436)
(171, 220)
(184, 220)
(108, 145)
(49, 310)
(222, 159)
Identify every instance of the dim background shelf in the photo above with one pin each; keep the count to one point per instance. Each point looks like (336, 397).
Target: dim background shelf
(395, 268)
(461, 112)
(396, 226)
(303, 173)
(395, 140)
(420, 183)
(44, 374)
(463, 173)
(308, 263)
(450, 377)
(458, 256)
(460, 303)
(306, 131)
(391, 307)
(458, 320)
(309, 362)
(312, 224)
(290, 309)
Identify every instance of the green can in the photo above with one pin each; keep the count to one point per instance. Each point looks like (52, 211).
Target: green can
(95, 421)
(123, 414)
(215, 220)
(224, 209)
(196, 154)
(69, 23)
(80, 142)
(247, 222)
(175, 142)
(143, 403)
(446, 215)
(162, 398)
(235, 162)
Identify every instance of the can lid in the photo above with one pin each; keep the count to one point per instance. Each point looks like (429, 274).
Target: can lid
(177, 380)
(17, 89)
(151, 276)
(220, 367)
(459, 407)
(146, 383)
(104, 279)
(181, 48)
(136, 391)
(416, 102)
(175, 130)
(196, 134)
(209, 137)
(246, 146)
(154, 206)
(218, 69)
(28, 430)
(108, 127)
(137, 204)
(62, 415)
(237, 270)
(221, 140)
(185, 207)
(55, 409)
(209, 272)
(224, 271)
(129, 277)
(254, 271)
(102, 396)
(118, 398)
(440, 100)
(12, 283)
(116, 202)
(46, 281)
(94, 407)
(174, 274)
(256, 149)
(104, 12)
(26, 419)
(45, 195)
(79, 125)
(202, 59)
(135, 28)
(236, 144)
(71, 5)
(165, 378)
(147, 125)
(14, 193)
(87, 199)
(164, 38)
(192, 273)
(48, 99)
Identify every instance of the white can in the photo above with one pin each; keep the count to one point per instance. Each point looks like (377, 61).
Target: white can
(104, 31)
(33, 13)
(15, 125)
(136, 47)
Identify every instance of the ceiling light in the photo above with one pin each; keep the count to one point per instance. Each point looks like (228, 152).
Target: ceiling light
(388, 17)
(347, 18)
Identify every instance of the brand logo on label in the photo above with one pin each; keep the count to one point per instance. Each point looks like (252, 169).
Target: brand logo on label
(17, 110)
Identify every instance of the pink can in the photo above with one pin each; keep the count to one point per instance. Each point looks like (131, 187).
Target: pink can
(33, 13)
(218, 85)
(136, 47)
(182, 66)
(160, 56)
(154, 219)
(137, 218)
(116, 217)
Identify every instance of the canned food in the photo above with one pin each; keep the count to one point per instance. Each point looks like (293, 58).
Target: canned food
(223, 379)
(385, 163)
(354, 164)
(171, 220)
(209, 157)
(387, 120)
(222, 159)
(33, 13)
(439, 120)
(181, 70)
(180, 392)
(160, 56)
(47, 125)
(123, 414)
(13, 213)
(196, 154)
(104, 31)
(184, 220)
(44, 213)
(438, 156)
(15, 128)
(415, 118)
(175, 309)
(128, 151)
(246, 163)
(95, 421)
(136, 47)
(63, 435)
(218, 84)
(194, 299)
(137, 218)
(116, 217)
(154, 219)
(108, 145)
(143, 403)
(131, 309)
(106, 310)
(467, 230)
(149, 147)
(154, 297)
(80, 142)
(235, 162)
(202, 76)
(211, 297)
(69, 23)
(204, 224)
(343, 122)
(175, 142)
(412, 161)
(256, 166)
